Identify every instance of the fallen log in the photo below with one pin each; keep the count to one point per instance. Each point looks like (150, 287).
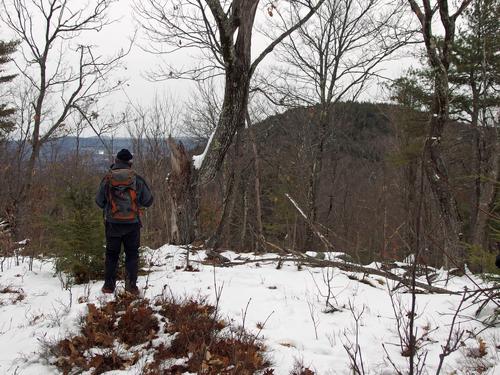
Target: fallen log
(353, 267)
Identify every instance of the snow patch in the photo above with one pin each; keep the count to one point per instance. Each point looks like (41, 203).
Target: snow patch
(198, 159)
(280, 315)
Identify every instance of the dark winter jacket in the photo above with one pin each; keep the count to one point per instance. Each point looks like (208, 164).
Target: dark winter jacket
(144, 196)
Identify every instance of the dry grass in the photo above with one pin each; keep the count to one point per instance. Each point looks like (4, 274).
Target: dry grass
(208, 345)
(475, 360)
(127, 321)
(212, 346)
(16, 295)
(300, 369)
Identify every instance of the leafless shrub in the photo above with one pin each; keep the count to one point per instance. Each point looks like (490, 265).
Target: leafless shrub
(314, 316)
(411, 342)
(6, 242)
(327, 274)
(300, 369)
(58, 312)
(353, 349)
(475, 359)
(453, 342)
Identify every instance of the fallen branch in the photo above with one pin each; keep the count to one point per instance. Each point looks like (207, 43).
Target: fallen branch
(248, 261)
(351, 267)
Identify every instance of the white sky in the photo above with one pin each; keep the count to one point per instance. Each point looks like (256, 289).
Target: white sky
(139, 90)
(138, 63)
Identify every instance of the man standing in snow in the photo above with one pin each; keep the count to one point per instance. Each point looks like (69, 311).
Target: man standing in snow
(122, 194)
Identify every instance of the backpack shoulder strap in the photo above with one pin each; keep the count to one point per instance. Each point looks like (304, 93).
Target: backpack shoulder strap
(108, 175)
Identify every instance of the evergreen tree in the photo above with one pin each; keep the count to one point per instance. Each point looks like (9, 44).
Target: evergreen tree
(413, 90)
(475, 65)
(475, 73)
(78, 235)
(6, 50)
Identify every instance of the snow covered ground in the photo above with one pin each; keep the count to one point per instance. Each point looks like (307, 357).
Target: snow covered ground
(288, 303)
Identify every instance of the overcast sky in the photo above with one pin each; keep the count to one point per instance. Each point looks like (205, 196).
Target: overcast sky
(139, 90)
(138, 62)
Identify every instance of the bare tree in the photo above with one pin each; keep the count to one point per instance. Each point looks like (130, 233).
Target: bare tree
(259, 227)
(203, 111)
(439, 54)
(332, 59)
(65, 76)
(147, 128)
(222, 31)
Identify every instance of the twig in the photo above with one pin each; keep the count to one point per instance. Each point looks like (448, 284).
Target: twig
(452, 343)
(470, 278)
(314, 317)
(244, 314)
(263, 325)
(354, 351)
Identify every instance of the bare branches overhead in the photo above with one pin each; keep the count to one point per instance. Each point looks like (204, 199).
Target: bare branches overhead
(65, 74)
(222, 31)
(208, 29)
(47, 29)
(173, 25)
(335, 55)
(425, 12)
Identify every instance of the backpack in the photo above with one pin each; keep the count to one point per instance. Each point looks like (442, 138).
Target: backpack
(122, 195)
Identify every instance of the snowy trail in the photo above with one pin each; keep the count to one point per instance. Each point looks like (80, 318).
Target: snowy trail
(285, 297)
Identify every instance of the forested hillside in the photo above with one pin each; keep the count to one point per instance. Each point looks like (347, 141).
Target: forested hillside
(370, 182)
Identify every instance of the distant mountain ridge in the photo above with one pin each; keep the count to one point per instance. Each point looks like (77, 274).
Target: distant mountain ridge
(100, 150)
(104, 144)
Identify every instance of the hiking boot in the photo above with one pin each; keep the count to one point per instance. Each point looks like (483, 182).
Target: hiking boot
(107, 289)
(132, 289)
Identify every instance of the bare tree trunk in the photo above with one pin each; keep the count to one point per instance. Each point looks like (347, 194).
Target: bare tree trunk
(257, 191)
(21, 204)
(318, 147)
(237, 84)
(437, 176)
(182, 195)
(232, 48)
(435, 167)
(216, 240)
(488, 204)
(245, 218)
(411, 204)
(231, 193)
(234, 107)
(485, 176)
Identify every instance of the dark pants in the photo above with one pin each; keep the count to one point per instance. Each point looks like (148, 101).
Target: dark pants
(130, 236)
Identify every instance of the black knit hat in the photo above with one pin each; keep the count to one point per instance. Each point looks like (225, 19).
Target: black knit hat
(124, 155)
